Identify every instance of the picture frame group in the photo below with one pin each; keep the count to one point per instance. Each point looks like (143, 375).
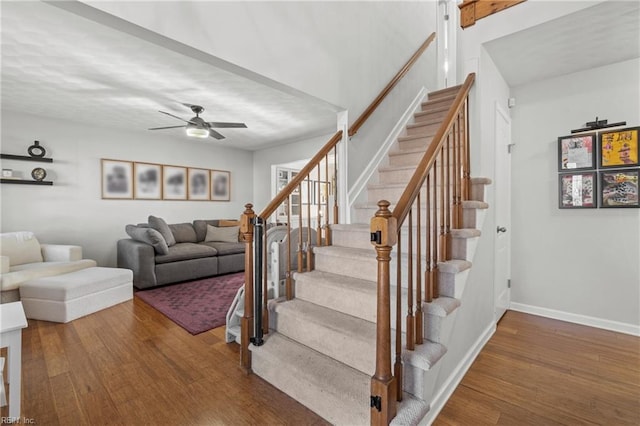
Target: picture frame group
(127, 180)
(599, 169)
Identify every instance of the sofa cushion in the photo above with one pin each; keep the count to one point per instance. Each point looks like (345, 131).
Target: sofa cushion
(200, 227)
(186, 251)
(149, 236)
(183, 233)
(21, 247)
(224, 249)
(28, 271)
(161, 226)
(227, 234)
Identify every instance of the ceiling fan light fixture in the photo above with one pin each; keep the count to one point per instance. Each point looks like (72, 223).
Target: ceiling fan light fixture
(197, 132)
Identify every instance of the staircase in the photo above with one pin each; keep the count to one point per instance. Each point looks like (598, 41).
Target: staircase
(321, 349)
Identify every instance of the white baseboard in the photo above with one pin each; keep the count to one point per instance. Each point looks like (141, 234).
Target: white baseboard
(364, 177)
(447, 389)
(620, 327)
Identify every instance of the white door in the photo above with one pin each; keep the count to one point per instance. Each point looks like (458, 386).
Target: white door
(502, 291)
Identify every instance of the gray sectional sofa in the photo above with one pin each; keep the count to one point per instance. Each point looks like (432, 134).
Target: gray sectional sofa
(160, 253)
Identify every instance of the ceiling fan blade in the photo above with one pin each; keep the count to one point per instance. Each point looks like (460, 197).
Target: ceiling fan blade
(175, 116)
(170, 127)
(215, 134)
(222, 125)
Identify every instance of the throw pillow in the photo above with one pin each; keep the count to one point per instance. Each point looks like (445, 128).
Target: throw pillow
(21, 247)
(183, 233)
(225, 234)
(149, 236)
(161, 226)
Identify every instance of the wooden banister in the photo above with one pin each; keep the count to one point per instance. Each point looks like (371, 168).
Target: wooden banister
(378, 100)
(401, 210)
(442, 174)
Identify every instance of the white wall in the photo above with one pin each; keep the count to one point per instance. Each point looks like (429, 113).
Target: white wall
(341, 52)
(72, 211)
(265, 158)
(586, 261)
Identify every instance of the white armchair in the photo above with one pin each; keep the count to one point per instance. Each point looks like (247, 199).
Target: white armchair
(23, 258)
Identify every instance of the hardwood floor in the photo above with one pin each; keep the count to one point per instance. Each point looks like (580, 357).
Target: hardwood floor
(131, 365)
(539, 371)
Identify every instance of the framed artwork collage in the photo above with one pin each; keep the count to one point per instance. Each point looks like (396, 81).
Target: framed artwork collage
(599, 169)
(129, 180)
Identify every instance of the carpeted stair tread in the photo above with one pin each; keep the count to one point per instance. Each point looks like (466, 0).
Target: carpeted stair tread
(445, 92)
(333, 390)
(410, 411)
(441, 306)
(343, 337)
(423, 356)
(471, 204)
(454, 266)
(481, 181)
(465, 233)
(418, 136)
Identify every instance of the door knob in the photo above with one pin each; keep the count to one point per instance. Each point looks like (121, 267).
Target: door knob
(501, 229)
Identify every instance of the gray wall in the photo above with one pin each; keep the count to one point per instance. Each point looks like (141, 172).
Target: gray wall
(72, 211)
(586, 261)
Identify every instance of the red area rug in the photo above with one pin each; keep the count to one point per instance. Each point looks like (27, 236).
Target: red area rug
(196, 306)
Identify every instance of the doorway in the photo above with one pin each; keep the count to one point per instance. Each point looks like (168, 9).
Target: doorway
(502, 279)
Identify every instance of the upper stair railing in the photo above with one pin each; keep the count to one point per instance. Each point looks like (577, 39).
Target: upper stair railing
(431, 206)
(314, 190)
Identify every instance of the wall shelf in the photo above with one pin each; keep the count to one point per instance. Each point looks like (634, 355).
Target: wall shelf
(25, 158)
(27, 182)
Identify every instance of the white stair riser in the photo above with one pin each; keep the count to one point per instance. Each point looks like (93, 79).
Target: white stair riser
(337, 408)
(420, 383)
(400, 174)
(427, 128)
(438, 329)
(429, 116)
(461, 248)
(415, 144)
(470, 217)
(358, 354)
(464, 248)
(452, 285)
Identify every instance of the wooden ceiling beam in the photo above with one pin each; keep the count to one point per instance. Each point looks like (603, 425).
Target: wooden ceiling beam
(474, 10)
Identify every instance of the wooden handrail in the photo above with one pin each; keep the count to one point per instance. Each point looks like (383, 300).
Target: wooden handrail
(402, 208)
(378, 100)
(302, 175)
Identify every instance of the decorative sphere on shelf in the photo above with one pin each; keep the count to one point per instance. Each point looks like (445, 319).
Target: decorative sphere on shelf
(38, 174)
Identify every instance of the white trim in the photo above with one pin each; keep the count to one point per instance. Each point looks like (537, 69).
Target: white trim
(364, 178)
(620, 327)
(447, 389)
(343, 160)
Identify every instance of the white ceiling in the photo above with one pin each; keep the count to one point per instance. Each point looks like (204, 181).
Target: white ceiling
(61, 65)
(603, 34)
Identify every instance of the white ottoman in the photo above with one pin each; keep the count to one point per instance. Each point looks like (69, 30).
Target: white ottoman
(63, 298)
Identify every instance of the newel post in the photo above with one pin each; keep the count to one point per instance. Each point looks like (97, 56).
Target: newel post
(384, 232)
(247, 326)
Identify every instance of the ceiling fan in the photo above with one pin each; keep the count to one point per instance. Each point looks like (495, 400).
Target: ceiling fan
(199, 128)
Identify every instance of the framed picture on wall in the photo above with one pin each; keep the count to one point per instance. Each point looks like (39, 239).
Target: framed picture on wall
(198, 186)
(576, 152)
(619, 188)
(577, 190)
(220, 185)
(147, 184)
(174, 183)
(619, 148)
(322, 192)
(117, 179)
